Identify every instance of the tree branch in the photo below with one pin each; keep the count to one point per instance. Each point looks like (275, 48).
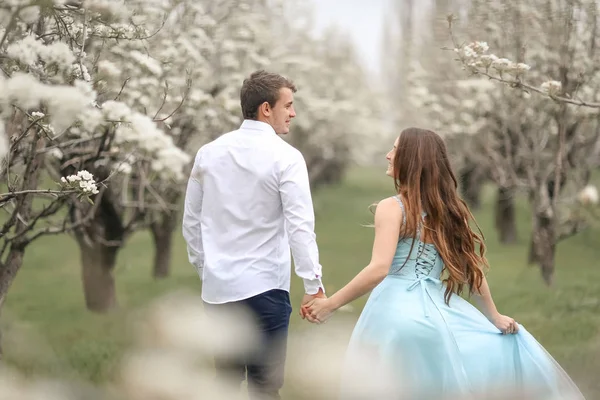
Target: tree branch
(44, 192)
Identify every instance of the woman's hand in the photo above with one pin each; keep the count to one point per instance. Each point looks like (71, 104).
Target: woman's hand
(506, 324)
(320, 309)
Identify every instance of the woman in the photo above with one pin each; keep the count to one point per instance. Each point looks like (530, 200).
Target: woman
(425, 255)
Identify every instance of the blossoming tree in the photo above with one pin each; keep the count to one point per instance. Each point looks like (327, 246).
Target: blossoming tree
(341, 117)
(543, 137)
(136, 90)
(428, 92)
(60, 122)
(521, 139)
(203, 52)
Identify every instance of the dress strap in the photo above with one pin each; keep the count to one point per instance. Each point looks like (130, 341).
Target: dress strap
(399, 200)
(419, 224)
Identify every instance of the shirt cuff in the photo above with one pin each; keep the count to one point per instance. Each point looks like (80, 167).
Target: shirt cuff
(312, 286)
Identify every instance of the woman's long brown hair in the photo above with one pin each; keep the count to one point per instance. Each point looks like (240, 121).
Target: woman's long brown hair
(424, 178)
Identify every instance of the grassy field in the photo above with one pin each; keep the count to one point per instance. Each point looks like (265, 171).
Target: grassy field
(45, 307)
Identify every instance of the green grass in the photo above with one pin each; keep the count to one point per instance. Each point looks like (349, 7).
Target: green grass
(45, 308)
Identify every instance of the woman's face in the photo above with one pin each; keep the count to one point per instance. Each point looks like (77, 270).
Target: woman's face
(390, 157)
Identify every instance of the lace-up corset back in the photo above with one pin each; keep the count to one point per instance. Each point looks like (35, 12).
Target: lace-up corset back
(423, 261)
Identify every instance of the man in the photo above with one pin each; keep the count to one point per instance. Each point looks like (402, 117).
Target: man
(248, 201)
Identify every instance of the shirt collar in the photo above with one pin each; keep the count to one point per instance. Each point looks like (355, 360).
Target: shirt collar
(253, 125)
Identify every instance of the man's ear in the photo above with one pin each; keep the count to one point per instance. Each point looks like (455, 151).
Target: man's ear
(265, 109)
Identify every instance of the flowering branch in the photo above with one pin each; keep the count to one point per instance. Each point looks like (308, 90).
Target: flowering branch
(82, 184)
(474, 57)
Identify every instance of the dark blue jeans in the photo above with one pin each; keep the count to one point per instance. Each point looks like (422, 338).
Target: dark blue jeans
(265, 368)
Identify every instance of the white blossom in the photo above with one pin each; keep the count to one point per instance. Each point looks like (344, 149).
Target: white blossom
(147, 62)
(519, 69)
(487, 60)
(81, 72)
(124, 168)
(56, 152)
(139, 130)
(82, 182)
(589, 195)
(108, 68)
(29, 50)
(29, 14)
(551, 87)
(503, 64)
(64, 103)
(25, 51)
(480, 47)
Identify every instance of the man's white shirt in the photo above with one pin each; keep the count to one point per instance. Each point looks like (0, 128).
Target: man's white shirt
(247, 203)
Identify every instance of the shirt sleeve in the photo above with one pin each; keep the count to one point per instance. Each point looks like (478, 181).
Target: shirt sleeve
(296, 200)
(192, 232)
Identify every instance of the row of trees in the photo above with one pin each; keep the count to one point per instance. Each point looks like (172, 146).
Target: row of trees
(103, 106)
(110, 103)
(530, 125)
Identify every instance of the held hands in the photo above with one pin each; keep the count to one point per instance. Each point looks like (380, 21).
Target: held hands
(304, 314)
(319, 310)
(506, 324)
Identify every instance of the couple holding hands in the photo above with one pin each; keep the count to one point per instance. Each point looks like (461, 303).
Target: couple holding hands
(248, 202)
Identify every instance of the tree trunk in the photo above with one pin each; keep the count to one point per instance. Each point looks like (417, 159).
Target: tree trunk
(1, 340)
(23, 208)
(99, 242)
(471, 180)
(162, 233)
(97, 267)
(532, 257)
(8, 272)
(506, 223)
(544, 239)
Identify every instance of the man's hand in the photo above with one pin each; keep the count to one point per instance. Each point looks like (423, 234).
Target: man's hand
(307, 298)
(319, 310)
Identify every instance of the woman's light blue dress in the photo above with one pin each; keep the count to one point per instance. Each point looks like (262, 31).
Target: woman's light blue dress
(434, 350)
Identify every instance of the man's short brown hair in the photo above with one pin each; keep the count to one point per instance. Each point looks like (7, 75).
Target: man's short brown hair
(259, 87)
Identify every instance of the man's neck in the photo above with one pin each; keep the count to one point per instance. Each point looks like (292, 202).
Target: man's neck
(259, 119)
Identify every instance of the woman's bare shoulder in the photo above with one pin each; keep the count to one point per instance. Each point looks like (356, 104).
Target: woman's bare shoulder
(389, 208)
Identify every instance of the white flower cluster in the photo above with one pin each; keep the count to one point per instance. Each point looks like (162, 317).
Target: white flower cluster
(108, 69)
(39, 116)
(474, 55)
(589, 195)
(29, 51)
(553, 88)
(124, 168)
(74, 107)
(83, 182)
(138, 129)
(64, 103)
(147, 62)
(29, 14)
